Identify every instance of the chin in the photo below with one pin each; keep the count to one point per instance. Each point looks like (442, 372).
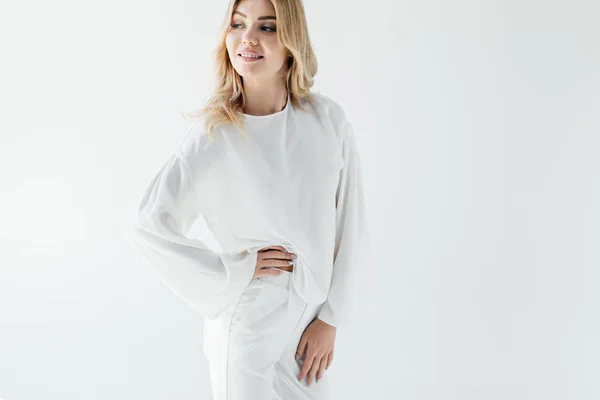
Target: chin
(249, 74)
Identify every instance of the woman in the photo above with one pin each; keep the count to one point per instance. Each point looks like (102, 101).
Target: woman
(274, 170)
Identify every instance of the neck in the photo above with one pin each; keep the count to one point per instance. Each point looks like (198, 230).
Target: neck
(264, 98)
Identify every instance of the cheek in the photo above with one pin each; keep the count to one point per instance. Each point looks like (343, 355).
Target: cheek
(276, 50)
(278, 58)
(230, 43)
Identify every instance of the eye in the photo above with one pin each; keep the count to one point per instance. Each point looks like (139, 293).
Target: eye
(264, 28)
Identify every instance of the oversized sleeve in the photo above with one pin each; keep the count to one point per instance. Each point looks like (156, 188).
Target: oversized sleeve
(347, 300)
(207, 281)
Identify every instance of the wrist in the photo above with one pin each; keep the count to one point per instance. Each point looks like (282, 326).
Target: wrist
(329, 325)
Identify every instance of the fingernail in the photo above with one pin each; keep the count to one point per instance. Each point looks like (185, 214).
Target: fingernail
(297, 356)
(293, 256)
(291, 262)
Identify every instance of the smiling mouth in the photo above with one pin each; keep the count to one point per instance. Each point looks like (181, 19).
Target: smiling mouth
(251, 57)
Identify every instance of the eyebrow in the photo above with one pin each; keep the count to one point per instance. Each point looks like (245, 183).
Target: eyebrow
(264, 17)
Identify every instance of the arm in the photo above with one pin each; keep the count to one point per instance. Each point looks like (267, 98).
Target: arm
(207, 281)
(352, 253)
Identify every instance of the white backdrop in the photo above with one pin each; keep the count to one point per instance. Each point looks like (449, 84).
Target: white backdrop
(478, 124)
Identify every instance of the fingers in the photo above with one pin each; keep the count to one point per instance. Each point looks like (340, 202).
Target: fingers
(273, 267)
(329, 359)
(275, 263)
(276, 259)
(281, 254)
(272, 261)
(322, 367)
(275, 252)
(301, 348)
(306, 367)
(313, 370)
(281, 248)
(315, 364)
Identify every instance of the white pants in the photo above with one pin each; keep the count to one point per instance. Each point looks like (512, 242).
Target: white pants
(251, 347)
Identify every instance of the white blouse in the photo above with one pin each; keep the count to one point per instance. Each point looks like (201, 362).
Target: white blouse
(296, 182)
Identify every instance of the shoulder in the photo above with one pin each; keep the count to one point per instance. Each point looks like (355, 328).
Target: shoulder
(192, 147)
(327, 106)
(331, 112)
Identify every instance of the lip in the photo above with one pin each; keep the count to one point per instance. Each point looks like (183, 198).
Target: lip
(256, 53)
(250, 59)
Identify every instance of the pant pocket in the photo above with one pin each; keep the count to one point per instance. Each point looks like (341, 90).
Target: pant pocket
(247, 301)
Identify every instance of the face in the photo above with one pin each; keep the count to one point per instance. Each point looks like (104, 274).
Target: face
(252, 44)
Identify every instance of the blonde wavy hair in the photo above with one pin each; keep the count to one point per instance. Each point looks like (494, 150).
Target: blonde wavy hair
(225, 104)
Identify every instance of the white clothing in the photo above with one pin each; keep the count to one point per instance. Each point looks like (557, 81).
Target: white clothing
(295, 182)
(251, 347)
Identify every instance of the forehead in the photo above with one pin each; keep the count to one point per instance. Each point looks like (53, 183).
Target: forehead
(255, 8)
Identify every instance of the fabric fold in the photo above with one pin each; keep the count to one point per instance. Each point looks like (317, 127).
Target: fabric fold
(352, 254)
(206, 280)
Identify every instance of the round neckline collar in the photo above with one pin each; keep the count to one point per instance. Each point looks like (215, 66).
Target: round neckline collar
(272, 115)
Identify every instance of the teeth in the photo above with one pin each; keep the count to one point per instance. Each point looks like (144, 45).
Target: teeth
(246, 55)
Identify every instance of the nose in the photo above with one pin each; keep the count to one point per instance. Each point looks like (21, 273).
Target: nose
(249, 37)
